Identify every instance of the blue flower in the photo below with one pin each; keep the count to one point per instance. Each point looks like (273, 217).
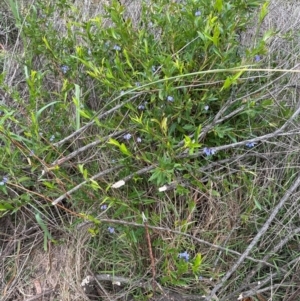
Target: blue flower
(103, 207)
(250, 144)
(170, 98)
(184, 255)
(64, 69)
(111, 230)
(206, 108)
(257, 58)
(127, 136)
(153, 68)
(4, 180)
(198, 13)
(52, 138)
(138, 140)
(141, 107)
(209, 151)
(117, 48)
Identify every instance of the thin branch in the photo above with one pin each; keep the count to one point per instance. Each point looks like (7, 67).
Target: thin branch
(95, 278)
(241, 143)
(129, 177)
(86, 147)
(216, 121)
(254, 292)
(263, 229)
(270, 277)
(230, 70)
(295, 295)
(273, 251)
(200, 153)
(167, 293)
(98, 175)
(98, 117)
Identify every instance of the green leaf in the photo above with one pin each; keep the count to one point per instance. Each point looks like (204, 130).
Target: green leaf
(6, 206)
(122, 147)
(197, 263)
(264, 11)
(114, 142)
(85, 114)
(187, 141)
(266, 103)
(219, 5)
(127, 59)
(80, 167)
(47, 234)
(215, 193)
(93, 231)
(216, 35)
(124, 150)
(85, 174)
(268, 34)
(3, 189)
(197, 132)
(49, 184)
(228, 82)
(257, 204)
(77, 103)
(164, 125)
(39, 112)
(94, 184)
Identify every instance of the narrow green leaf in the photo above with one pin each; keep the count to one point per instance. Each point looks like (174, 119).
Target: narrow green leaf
(264, 11)
(77, 102)
(85, 174)
(197, 132)
(197, 263)
(219, 5)
(39, 112)
(6, 206)
(94, 184)
(47, 235)
(49, 184)
(124, 150)
(114, 142)
(257, 204)
(80, 167)
(127, 59)
(187, 141)
(227, 83)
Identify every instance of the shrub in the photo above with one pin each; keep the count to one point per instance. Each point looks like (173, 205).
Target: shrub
(158, 107)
